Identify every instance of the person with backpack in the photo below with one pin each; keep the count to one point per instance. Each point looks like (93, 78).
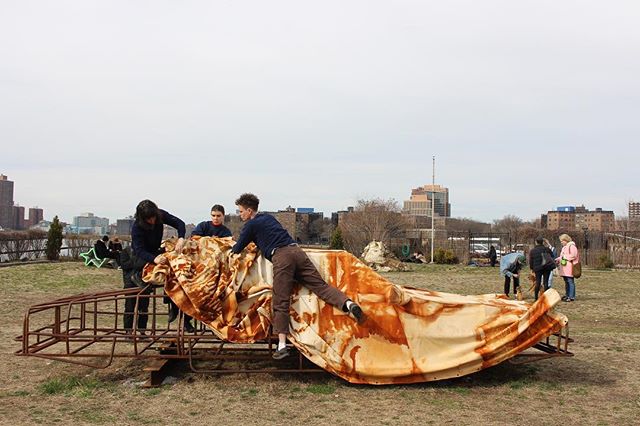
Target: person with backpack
(541, 262)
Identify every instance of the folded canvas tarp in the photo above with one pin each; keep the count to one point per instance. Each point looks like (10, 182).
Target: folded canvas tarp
(410, 335)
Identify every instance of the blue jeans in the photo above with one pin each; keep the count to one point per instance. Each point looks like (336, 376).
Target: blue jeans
(569, 287)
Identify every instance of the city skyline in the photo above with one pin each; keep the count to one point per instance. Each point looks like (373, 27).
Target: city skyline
(526, 106)
(326, 214)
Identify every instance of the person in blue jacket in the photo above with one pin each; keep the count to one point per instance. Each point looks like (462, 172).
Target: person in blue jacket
(214, 227)
(146, 238)
(290, 265)
(510, 266)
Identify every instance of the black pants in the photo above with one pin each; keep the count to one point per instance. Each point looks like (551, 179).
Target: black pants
(542, 277)
(507, 284)
(130, 304)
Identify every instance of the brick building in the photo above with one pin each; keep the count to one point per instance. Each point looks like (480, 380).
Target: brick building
(569, 217)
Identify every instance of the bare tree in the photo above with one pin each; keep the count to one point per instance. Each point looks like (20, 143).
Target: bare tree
(375, 219)
(460, 224)
(509, 223)
(320, 230)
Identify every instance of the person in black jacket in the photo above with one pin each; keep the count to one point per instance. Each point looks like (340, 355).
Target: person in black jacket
(541, 263)
(493, 256)
(103, 252)
(146, 238)
(214, 227)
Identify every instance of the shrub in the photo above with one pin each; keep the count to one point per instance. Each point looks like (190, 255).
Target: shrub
(337, 242)
(604, 262)
(444, 257)
(54, 240)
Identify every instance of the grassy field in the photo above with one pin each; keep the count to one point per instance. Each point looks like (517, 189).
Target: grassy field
(599, 386)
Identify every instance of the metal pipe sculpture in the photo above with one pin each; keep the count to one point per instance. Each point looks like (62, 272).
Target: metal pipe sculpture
(410, 335)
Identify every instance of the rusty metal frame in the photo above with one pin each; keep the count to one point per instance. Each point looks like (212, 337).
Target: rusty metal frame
(549, 350)
(87, 329)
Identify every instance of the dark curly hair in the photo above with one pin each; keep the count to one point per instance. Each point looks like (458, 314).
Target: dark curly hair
(147, 209)
(248, 201)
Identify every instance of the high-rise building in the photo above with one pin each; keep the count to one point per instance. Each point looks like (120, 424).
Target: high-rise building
(36, 215)
(6, 202)
(419, 204)
(18, 217)
(12, 216)
(634, 210)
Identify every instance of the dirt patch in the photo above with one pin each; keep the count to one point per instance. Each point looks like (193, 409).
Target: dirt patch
(600, 385)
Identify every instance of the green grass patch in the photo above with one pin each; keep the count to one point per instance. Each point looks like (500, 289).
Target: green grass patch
(321, 389)
(460, 390)
(250, 392)
(83, 387)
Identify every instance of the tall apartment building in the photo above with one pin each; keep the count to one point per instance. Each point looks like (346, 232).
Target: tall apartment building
(12, 216)
(569, 217)
(18, 217)
(419, 203)
(36, 215)
(297, 222)
(634, 210)
(6, 202)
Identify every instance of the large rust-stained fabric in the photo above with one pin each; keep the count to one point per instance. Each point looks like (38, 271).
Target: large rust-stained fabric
(410, 335)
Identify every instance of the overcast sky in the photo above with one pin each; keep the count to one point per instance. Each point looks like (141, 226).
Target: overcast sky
(526, 105)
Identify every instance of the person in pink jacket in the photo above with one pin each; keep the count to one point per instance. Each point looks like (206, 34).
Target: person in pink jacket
(568, 256)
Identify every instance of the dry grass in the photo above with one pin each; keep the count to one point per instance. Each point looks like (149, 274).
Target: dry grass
(600, 385)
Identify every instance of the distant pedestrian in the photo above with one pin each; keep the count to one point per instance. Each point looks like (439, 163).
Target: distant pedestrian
(554, 253)
(115, 245)
(493, 256)
(510, 266)
(541, 262)
(103, 252)
(568, 257)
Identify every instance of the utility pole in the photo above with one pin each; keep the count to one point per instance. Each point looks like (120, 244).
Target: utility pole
(433, 204)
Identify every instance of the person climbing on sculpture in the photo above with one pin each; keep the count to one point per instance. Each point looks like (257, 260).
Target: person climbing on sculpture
(290, 265)
(510, 266)
(214, 227)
